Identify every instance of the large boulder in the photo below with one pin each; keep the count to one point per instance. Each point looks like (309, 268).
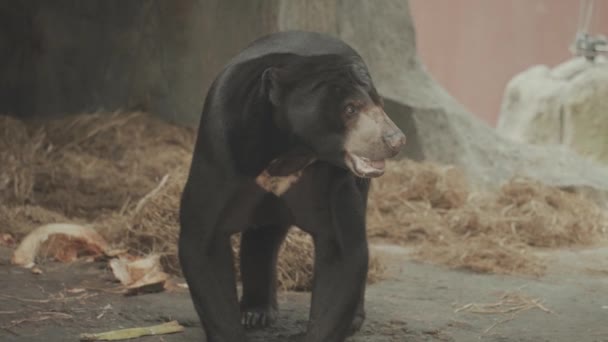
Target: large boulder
(566, 105)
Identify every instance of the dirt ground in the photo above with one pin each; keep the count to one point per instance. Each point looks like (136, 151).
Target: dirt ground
(418, 302)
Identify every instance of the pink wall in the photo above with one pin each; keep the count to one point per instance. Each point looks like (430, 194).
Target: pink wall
(474, 47)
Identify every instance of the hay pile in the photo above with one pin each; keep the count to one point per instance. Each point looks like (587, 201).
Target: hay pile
(93, 169)
(88, 166)
(431, 206)
(124, 173)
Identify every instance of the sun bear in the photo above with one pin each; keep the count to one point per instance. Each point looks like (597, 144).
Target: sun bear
(291, 131)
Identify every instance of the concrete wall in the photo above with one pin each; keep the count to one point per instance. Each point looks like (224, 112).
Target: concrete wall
(72, 56)
(474, 47)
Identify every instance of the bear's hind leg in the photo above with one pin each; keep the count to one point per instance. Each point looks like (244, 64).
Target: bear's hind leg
(258, 257)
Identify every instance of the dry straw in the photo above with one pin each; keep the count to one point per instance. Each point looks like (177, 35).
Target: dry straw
(122, 171)
(125, 171)
(431, 207)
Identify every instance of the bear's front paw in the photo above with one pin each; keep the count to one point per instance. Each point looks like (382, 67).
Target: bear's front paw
(356, 324)
(253, 318)
(299, 337)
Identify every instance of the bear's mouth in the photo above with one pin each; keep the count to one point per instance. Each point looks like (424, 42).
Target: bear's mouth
(364, 167)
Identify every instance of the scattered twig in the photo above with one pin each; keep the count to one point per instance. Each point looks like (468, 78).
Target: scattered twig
(124, 334)
(26, 300)
(464, 307)
(41, 316)
(114, 290)
(499, 322)
(62, 315)
(121, 120)
(53, 298)
(104, 310)
(541, 306)
(511, 303)
(151, 194)
(9, 331)
(125, 206)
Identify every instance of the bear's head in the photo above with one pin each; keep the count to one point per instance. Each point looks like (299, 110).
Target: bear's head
(330, 105)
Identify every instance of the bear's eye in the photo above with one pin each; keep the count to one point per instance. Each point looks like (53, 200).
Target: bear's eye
(350, 111)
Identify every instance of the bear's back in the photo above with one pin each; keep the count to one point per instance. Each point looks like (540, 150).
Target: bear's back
(294, 42)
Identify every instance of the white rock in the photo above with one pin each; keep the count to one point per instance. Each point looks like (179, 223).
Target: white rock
(567, 105)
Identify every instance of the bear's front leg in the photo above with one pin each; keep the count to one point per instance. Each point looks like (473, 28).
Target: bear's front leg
(341, 265)
(207, 262)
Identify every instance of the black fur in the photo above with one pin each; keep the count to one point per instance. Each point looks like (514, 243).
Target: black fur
(255, 113)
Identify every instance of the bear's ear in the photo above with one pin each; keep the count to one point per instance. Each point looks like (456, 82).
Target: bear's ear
(270, 85)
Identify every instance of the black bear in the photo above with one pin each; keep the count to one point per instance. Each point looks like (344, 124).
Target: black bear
(291, 132)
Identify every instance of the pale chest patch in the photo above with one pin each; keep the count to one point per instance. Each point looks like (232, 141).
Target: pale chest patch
(284, 172)
(278, 185)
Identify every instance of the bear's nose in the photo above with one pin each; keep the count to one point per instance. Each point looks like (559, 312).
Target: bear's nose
(394, 140)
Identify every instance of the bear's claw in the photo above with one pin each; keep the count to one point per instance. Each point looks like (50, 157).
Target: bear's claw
(257, 318)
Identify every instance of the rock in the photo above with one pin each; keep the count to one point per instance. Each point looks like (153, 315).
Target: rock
(438, 127)
(567, 105)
